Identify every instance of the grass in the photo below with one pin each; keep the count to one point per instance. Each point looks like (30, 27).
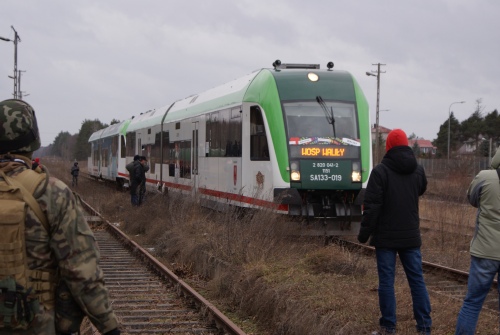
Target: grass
(270, 282)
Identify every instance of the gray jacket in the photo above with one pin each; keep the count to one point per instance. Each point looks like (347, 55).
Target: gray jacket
(484, 193)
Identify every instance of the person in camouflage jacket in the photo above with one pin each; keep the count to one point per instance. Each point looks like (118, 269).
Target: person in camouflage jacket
(69, 247)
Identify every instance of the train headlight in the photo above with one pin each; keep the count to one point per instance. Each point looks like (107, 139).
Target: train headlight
(295, 171)
(312, 76)
(356, 172)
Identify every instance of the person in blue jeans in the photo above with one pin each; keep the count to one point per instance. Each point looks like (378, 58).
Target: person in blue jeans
(391, 218)
(483, 193)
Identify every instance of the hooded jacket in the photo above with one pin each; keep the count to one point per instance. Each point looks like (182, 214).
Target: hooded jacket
(484, 193)
(391, 214)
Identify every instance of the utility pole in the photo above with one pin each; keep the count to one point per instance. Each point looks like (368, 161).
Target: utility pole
(19, 92)
(16, 39)
(377, 141)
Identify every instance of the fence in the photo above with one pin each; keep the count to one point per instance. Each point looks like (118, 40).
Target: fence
(439, 168)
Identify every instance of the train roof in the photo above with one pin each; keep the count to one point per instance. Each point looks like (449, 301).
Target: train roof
(112, 130)
(147, 119)
(116, 128)
(234, 92)
(223, 96)
(96, 135)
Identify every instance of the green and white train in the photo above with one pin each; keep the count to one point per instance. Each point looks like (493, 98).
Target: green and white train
(294, 138)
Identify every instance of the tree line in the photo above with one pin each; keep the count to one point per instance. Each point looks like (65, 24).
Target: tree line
(479, 129)
(76, 146)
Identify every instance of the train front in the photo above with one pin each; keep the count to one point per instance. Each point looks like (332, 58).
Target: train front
(329, 147)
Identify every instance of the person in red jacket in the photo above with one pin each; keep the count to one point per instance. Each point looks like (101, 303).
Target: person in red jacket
(391, 219)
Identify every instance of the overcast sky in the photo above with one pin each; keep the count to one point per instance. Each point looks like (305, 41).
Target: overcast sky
(112, 59)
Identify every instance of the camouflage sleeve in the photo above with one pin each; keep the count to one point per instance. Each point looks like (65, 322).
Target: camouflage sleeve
(75, 250)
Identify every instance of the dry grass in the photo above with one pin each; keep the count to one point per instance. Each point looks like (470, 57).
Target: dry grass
(270, 282)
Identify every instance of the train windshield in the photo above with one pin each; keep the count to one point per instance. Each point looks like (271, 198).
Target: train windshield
(321, 123)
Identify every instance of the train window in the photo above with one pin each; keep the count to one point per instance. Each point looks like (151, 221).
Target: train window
(105, 155)
(123, 148)
(213, 135)
(236, 113)
(234, 134)
(114, 146)
(309, 121)
(185, 160)
(172, 148)
(95, 147)
(224, 117)
(149, 131)
(223, 133)
(259, 150)
(166, 152)
(131, 143)
(154, 153)
(180, 165)
(177, 125)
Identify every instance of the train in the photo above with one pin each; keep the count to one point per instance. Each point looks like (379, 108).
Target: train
(293, 138)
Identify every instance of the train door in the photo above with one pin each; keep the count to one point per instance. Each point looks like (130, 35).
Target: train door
(256, 164)
(194, 157)
(99, 159)
(122, 159)
(230, 176)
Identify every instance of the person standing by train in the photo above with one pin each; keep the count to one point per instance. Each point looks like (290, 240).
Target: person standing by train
(142, 187)
(75, 170)
(484, 194)
(135, 171)
(60, 248)
(391, 218)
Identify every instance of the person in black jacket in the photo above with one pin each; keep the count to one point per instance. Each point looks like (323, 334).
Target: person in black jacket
(142, 187)
(135, 179)
(35, 163)
(391, 218)
(75, 170)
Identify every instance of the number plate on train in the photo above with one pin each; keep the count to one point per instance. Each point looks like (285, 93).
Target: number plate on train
(326, 174)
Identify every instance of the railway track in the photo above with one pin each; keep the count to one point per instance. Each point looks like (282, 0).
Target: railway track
(146, 296)
(439, 279)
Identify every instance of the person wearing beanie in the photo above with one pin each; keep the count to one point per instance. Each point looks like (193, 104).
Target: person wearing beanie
(484, 194)
(391, 219)
(35, 163)
(396, 137)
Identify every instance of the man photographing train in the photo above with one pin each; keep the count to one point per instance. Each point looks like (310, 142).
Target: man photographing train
(45, 242)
